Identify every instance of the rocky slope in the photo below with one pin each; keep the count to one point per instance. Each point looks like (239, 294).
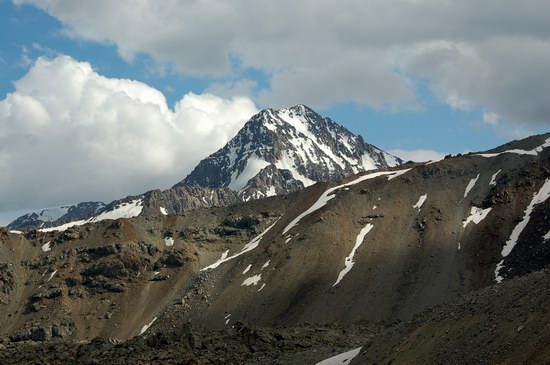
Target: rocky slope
(506, 323)
(280, 151)
(364, 253)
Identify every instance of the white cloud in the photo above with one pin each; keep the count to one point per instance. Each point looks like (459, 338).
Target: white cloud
(493, 57)
(419, 155)
(68, 134)
(490, 118)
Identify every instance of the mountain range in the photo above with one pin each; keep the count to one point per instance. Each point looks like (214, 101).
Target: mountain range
(276, 152)
(392, 262)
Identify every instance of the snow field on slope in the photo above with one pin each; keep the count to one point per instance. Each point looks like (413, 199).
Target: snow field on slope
(254, 164)
(420, 201)
(146, 327)
(300, 125)
(341, 359)
(348, 262)
(124, 210)
(327, 195)
(287, 163)
(46, 246)
(476, 216)
(52, 275)
(253, 280)
(493, 181)
(533, 152)
(470, 186)
(52, 214)
(248, 247)
(540, 197)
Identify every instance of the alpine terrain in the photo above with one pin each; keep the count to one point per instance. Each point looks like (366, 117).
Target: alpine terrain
(281, 151)
(440, 262)
(276, 152)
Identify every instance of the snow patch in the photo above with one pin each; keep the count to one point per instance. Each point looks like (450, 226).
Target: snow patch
(348, 263)
(541, 196)
(546, 236)
(146, 327)
(248, 247)
(263, 286)
(168, 241)
(420, 201)
(163, 211)
(124, 210)
(286, 163)
(265, 265)
(52, 214)
(247, 269)
(328, 194)
(14, 231)
(46, 246)
(65, 226)
(476, 215)
(341, 359)
(533, 152)
(253, 166)
(253, 280)
(471, 184)
(493, 178)
(52, 275)
(391, 160)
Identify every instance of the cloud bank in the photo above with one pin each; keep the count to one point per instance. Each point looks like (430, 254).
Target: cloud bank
(493, 56)
(68, 134)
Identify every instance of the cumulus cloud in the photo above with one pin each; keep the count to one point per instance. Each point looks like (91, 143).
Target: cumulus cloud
(492, 56)
(68, 134)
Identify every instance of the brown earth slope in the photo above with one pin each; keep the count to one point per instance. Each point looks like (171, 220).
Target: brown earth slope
(384, 247)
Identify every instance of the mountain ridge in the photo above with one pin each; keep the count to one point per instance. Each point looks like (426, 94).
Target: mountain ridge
(277, 136)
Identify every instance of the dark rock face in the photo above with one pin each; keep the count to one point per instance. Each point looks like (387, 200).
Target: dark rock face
(180, 199)
(281, 151)
(7, 282)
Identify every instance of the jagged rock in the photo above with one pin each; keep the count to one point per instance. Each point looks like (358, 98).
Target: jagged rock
(47, 293)
(281, 151)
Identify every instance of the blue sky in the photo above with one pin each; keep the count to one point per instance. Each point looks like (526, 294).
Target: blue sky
(427, 76)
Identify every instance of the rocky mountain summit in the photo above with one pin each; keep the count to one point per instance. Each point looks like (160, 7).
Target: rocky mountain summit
(419, 263)
(281, 151)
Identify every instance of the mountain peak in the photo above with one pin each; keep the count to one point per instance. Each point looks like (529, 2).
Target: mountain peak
(280, 151)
